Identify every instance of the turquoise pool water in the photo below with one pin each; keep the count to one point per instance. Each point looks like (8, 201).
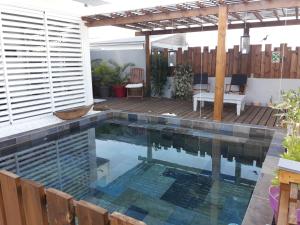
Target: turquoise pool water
(156, 174)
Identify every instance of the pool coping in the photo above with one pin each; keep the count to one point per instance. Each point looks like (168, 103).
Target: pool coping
(258, 212)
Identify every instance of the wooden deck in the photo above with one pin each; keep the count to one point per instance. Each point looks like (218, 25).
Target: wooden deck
(255, 115)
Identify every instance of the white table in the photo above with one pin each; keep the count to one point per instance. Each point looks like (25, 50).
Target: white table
(239, 100)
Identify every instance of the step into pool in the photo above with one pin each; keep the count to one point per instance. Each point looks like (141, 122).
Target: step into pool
(154, 173)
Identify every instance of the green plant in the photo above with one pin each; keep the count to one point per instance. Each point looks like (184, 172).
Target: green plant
(159, 71)
(102, 70)
(289, 109)
(292, 146)
(183, 81)
(110, 72)
(120, 75)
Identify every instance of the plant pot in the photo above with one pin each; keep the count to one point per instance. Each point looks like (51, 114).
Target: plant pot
(104, 91)
(119, 91)
(274, 192)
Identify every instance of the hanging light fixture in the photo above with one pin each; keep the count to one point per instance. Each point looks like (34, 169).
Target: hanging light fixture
(245, 39)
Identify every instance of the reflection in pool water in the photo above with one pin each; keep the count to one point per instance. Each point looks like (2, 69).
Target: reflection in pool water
(155, 175)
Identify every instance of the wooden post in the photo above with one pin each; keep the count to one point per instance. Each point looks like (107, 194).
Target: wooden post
(148, 65)
(220, 63)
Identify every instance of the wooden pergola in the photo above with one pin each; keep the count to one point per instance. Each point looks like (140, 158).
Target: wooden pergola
(202, 15)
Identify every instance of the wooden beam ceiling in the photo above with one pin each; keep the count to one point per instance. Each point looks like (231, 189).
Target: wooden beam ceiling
(276, 14)
(213, 28)
(258, 16)
(203, 11)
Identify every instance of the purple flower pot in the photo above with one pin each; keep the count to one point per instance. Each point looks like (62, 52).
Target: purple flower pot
(274, 193)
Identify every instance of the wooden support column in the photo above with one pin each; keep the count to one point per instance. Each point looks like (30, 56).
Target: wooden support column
(220, 63)
(148, 65)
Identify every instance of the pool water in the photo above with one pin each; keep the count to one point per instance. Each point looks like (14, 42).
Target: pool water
(157, 174)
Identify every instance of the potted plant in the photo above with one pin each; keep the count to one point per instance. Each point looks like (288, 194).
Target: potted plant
(119, 78)
(102, 73)
(183, 81)
(290, 114)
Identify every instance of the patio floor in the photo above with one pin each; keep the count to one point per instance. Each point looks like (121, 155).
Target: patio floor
(255, 115)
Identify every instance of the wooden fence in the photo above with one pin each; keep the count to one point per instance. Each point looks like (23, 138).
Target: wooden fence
(24, 202)
(257, 62)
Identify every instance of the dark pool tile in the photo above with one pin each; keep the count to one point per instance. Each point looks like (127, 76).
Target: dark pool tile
(257, 133)
(269, 133)
(162, 120)
(39, 134)
(23, 138)
(142, 117)
(199, 125)
(136, 212)
(93, 118)
(132, 117)
(173, 121)
(52, 137)
(8, 142)
(152, 119)
(74, 126)
(186, 123)
(123, 116)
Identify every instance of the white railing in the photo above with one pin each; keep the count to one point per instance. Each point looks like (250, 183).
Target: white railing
(42, 64)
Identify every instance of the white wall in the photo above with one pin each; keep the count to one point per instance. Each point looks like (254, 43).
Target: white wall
(261, 90)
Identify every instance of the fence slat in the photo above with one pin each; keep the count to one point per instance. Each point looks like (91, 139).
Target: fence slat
(60, 208)
(120, 219)
(89, 214)
(257, 62)
(34, 203)
(12, 199)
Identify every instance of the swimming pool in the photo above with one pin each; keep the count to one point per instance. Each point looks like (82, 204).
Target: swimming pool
(156, 173)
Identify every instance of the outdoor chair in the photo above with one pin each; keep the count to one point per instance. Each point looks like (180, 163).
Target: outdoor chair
(135, 83)
(201, 83)
(239, 81)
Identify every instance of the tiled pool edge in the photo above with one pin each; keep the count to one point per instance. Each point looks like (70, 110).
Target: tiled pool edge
(258, 211)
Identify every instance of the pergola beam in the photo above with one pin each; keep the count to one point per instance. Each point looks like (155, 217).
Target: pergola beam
(258, 16)
(214, 28)
(232, 8)
(276, 14)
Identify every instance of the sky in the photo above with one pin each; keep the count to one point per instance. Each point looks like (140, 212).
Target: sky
(276, 35)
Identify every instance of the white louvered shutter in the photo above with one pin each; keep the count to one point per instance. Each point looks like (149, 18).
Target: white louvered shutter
(4, 113)
(65, 50)
(26, 61)
(41, 64)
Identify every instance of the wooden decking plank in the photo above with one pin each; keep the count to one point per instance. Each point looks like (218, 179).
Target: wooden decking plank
(272, 120)
(266, 117)
(252, 115)
(184, 109)
(248, 110)
(259, 115)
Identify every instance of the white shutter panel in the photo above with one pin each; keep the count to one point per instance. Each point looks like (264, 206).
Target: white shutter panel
(26, 62)
(4, 113)
(66, 62)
